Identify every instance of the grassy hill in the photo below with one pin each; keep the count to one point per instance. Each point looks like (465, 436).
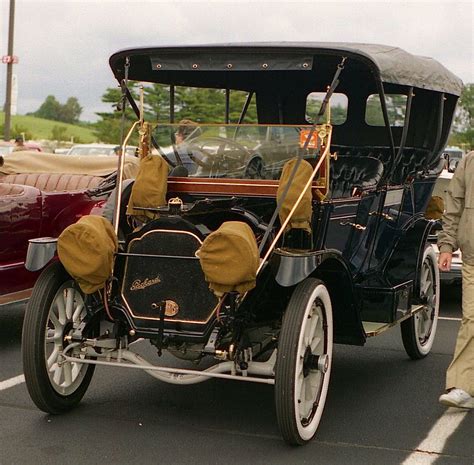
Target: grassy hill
(41, 129)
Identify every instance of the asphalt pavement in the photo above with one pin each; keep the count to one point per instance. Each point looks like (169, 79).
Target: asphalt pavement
(381, 409)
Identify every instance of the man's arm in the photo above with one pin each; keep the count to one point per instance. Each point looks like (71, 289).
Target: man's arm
(448, 237)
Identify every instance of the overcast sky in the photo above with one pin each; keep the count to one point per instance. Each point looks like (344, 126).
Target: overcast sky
(63, 46)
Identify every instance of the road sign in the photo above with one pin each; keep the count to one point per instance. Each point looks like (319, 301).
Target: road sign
(6, 59)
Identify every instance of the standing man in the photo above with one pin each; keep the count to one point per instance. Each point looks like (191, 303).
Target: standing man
(458, 232)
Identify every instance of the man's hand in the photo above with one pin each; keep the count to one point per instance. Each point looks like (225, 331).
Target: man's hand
(444, 261)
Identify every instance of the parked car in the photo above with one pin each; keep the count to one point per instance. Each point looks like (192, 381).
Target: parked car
(40, 195)
(244, 151)
(257, 278)
(453, 156)
(8, 147)
(98, 149)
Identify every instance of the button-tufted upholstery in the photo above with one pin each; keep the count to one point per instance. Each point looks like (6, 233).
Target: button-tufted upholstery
(10, 189)
(53, 182)
(348, 173)
(412, 161)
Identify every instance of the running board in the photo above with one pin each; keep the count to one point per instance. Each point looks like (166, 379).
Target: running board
(373, 328)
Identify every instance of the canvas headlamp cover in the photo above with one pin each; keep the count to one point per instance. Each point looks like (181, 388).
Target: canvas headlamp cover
(301, 218)
(150, 186)
(435, 208)
(229, 258)
(86, 249)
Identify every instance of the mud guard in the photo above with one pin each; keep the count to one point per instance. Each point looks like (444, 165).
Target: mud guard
(40, 252)
(328, 265)
(405, 262)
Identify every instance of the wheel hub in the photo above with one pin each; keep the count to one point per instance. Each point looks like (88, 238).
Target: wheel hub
(68, 329)
(314, 362)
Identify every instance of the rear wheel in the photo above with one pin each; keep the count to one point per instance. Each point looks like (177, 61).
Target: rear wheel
(55, 310)
(418, 332)
(304, 360)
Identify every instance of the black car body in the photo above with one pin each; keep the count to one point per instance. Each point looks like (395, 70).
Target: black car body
(361, 265)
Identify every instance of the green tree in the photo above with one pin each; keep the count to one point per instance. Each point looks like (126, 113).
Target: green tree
(71, 111)
(463, 128)
(49, 109)
(157, 103)
(109, 127)
(53, 110)
(200, 105)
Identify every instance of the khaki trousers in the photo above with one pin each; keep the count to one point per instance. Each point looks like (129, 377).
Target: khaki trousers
(461, 371)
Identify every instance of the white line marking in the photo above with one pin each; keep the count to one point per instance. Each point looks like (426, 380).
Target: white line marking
(12, 382)
(429, 449)
(449, 318)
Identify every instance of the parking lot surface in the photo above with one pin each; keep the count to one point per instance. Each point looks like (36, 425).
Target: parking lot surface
(382, 409)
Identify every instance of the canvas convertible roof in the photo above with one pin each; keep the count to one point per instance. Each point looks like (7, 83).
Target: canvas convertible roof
(40, 162)
(392, 64)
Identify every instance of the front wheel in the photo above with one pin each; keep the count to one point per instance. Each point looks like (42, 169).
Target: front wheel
(304, 361)
(418, 332)
(56, 308)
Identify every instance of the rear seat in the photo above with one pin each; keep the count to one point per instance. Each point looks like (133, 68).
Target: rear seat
(10, 189)
(54, 182)
(348, 173)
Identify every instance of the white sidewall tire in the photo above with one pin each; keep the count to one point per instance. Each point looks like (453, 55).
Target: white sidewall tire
(306, 337)
(414, 346)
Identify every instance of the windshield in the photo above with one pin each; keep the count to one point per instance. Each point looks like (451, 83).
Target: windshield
(91, 151)
(233, 151)
(5, 149)
(99, 150)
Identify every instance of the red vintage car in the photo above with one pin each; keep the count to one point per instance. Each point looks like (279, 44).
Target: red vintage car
(40, 195)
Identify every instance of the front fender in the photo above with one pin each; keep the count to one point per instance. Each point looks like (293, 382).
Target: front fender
(40, 252)
(290, 268)
(329, 266)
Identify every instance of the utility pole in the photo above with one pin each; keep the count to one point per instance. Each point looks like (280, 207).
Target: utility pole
(9, 60)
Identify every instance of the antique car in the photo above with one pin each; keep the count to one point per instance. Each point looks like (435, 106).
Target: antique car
(98, 149)
(254, 277)
(8, 147)
(40, 195)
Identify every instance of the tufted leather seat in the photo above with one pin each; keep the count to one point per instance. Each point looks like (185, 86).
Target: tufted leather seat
(54, 182)
(10, 189)
(412, 161)
(348, 173)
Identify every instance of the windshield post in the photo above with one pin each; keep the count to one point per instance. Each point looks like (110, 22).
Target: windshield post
(383, 103)
(121, 157)
(245, 107)
(403, 139)
(123, 102)
(439, 128)
(171, 104)
(227, 106)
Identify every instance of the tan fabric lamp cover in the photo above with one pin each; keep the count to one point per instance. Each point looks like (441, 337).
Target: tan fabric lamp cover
(301, 218)
(435, 208)
(86, 250)
(229, 258)
(150, 186)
